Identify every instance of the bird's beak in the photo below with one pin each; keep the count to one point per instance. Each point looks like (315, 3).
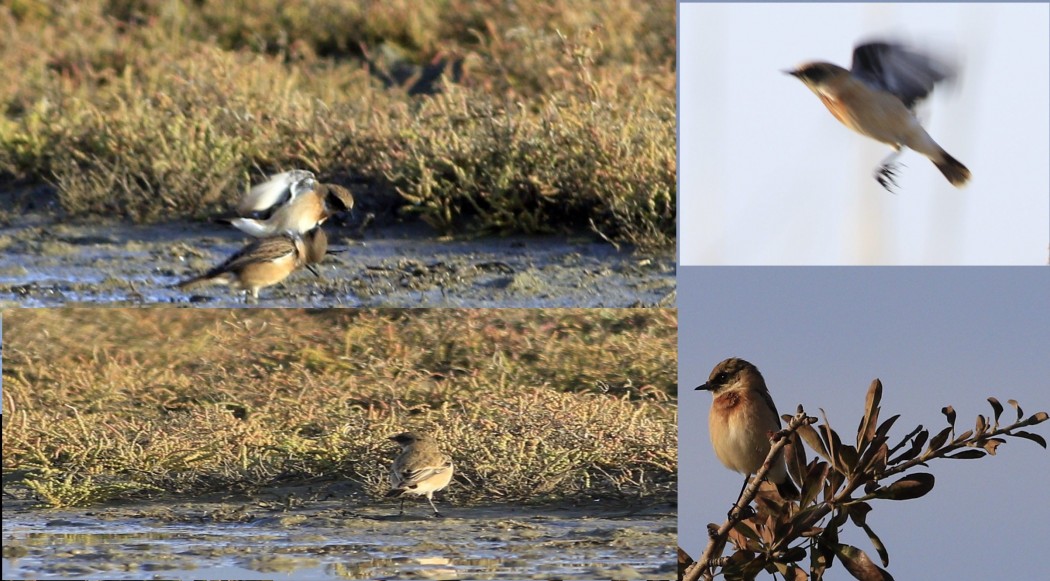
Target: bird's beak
(704, 387)
(792, 72)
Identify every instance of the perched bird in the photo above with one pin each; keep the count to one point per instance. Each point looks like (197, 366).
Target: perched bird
(292, 201)
(421, 469)
(877, 96)
(263, 262)
(742, 420)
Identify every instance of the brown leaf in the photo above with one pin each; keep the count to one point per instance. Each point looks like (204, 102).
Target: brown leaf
(997, 408)
(909, 487)
(812, 485)
(981, 425)
(1030, 436)
(847, 459)
(1038, 418)
(859, 565)
(991, 444)
(876, 542)
(809, 435)
(949, 412)
(937, 441)
(870, 421)
(1017, 406)
(858, 512)
(884, 427)
(967, 455)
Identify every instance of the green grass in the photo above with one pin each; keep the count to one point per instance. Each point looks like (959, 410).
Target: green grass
(553, 118)
(534, 405)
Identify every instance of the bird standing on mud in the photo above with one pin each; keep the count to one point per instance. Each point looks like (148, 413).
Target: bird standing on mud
(876, 98)
(266, 261)
(292, 201)
(421, 469)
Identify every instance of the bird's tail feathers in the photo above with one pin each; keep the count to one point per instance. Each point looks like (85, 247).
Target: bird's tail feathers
(952, 169)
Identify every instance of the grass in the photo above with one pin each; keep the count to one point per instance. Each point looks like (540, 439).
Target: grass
(534, 405)
(476, 117)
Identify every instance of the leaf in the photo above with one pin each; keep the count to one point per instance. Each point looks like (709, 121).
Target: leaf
(795, 454)
(876, 542)
(916, 447)
(949, 412)
(813, 482)
(809, 435)
(997, 408)
(1030, 436)
(991, 444)
(859, 565)
(981, 425)
(884, 428)
(909, 487)
(858, 512)
(847, 457)
(967, 455)
(870, 420)
(1038, 418)
(1017, 406)
(937, 441)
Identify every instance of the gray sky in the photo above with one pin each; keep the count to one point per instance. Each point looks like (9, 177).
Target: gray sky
(934, 336)
(768, 176)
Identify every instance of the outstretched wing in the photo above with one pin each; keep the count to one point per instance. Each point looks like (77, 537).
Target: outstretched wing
(278, 190)
(899, 70)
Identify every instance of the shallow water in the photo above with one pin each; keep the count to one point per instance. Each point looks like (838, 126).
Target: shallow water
(187, 541)
(44, 263)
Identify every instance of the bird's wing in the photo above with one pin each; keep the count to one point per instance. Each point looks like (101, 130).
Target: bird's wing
(279, 189)
(412, 475)
(893, 68)
(261, 250)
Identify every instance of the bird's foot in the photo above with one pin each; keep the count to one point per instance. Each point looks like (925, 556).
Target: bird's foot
(437, 515)
(886, 176)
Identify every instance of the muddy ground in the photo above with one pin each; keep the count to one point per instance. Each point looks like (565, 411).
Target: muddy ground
(291, 537)
(45, 262)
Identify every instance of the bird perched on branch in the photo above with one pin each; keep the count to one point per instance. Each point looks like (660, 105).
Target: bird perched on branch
(421, 469)
(292, 201)
(876, 97)
(743, 419)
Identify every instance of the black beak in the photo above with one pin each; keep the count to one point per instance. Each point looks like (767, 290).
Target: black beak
(704, 387)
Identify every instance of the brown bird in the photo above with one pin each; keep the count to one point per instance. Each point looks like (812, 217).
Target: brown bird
(421, 469)
(742, 420)
(263, 262)
(877, 97)
(292, 201)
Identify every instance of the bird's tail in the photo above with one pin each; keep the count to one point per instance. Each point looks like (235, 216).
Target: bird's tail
(787, 489)
(952, 169)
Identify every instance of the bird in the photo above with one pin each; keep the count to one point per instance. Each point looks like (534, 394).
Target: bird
(421, 469)
(742, 420)
(290, 201)
(263, 262)
(876, 97)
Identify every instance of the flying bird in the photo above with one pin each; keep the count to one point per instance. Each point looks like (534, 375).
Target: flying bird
(876, 97)
(292, 201)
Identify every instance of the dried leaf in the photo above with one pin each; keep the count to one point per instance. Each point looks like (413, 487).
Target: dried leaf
(809, 435)
(812, 485)
(949, 412)
(847, 458)
(997, 408)
(967, 455)
(1038, 418)
(937, 441)
(884, 427)
(795, 454)
(909, 487)
(1030, 436)
(991, 444)
(860, 565)
(858, 512)
(981, 425)
(876, 542)
(1017, 406)
(870, 421)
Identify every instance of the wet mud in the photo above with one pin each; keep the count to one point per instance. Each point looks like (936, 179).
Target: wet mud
(335, 540)
(46, 263)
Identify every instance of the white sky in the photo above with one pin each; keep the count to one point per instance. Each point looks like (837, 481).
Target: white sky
(768, 176)
(934, 336)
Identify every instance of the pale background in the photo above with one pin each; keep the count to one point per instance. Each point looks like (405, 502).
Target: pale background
(768, 176)
(934, 336)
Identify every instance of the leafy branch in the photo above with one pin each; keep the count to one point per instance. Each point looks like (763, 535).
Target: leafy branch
(779, 535)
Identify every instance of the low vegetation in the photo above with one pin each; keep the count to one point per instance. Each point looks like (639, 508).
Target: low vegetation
(534, 405)
(476, 117)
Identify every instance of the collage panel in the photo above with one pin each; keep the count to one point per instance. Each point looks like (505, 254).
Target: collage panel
(325, 153)
(921, 444)
(840, 134)
(340, 443)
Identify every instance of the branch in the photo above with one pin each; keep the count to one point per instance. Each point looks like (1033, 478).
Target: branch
(716, 544)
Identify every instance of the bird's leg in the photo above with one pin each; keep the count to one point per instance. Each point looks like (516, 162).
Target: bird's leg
(747, 478)
(313, 269)
(887, 171)
(402, 511)
(431, 501)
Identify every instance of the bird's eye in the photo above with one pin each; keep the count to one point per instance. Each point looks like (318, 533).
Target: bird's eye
(721, 377)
